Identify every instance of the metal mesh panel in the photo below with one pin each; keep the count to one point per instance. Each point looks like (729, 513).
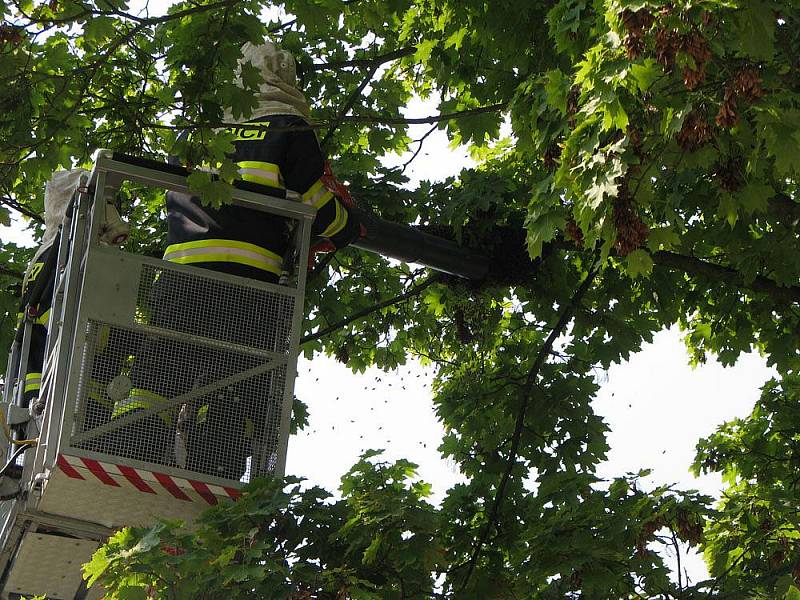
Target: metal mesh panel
(204, 306)
(190, 384)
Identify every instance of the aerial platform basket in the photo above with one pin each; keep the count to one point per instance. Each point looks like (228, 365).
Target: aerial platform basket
(165, 389)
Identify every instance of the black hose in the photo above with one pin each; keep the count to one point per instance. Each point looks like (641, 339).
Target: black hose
(14, 458)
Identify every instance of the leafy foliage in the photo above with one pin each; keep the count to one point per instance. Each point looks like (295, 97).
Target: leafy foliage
(651, 179)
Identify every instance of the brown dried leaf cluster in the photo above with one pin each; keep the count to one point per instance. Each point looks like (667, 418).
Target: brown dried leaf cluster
(573, 99)
(10, 35)
(668, 43)
(696, 46)
(632, 232)
(551, 156)
(695, 132)
(745, 86)
(636, 23)
(689, 529)
(728, 115)
(573, 232)
(729, 175)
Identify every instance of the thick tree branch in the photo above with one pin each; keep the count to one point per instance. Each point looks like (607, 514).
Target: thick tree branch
(697, 267)
(415, 291)
(527, 388)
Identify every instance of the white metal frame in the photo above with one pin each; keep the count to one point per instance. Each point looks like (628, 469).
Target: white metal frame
(80, 256)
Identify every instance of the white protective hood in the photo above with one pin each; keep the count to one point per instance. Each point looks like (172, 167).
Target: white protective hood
(278, 94)
(57, 195)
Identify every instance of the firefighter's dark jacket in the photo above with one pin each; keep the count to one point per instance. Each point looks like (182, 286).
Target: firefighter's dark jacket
(251, 243)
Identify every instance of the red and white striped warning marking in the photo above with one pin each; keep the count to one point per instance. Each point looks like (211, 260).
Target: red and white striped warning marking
(148, 482)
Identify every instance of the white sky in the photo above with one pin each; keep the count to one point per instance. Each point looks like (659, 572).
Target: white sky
(656, 405)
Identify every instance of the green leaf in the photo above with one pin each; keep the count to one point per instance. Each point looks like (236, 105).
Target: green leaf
(754, 197)
(133, 592)
(728, 208)
(756, 23)
(646, 74)
(557, 89)
(371, 553)
(793, 593)
(662, 238)
(424, 50)
(542, 229)
(99, 28)
(638, 263)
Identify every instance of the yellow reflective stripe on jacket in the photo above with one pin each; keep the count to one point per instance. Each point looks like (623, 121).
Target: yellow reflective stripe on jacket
(261, 172)
(338, 222)
(229, 251)
(33, 382)
(140, 399)
(317, 195)
(33, 273)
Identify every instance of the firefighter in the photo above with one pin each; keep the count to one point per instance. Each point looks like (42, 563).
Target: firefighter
(40, 275)
(274, 147)
(38, 283)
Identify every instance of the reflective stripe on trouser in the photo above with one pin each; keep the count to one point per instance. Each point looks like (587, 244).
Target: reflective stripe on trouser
(97, 391)
(33, 382)
(225, 251)
(140, 399)
(261, 172)
(317, 195)
(40, 320)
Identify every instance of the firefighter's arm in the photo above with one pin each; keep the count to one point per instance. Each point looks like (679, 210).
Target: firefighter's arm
(304, 171)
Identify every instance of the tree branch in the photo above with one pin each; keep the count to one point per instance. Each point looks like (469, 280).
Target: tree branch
(784, 207)
(415, 291)
(364, 62)
(351, 100)
(696, 266)
(533, 372)
(377, 119)
(6, 201)
(11, 273)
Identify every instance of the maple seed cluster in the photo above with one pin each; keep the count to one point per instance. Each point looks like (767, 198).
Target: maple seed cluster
(632, 232)
(668, 42)
(729, 175)
(573, 99)
(573, 232)
(689, 528)
(696, 47)
(745, 86)
(695, 132)
(551, 156)
(636, 23)
(10, 35)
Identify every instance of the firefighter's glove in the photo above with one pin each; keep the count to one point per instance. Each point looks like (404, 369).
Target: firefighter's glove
(113, 230)
(321, 246)
(337, 187)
